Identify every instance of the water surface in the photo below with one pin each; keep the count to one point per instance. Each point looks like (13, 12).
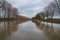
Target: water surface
(29, 30)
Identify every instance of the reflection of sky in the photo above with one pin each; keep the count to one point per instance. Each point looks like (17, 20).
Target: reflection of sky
(57, 16)
(29, 8)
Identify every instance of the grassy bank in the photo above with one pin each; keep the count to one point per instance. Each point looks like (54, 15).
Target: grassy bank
(48, 20)
(53, 20)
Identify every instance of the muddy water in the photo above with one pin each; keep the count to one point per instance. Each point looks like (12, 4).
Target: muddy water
(29, 30)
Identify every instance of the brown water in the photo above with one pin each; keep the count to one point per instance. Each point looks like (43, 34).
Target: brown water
(29, 30)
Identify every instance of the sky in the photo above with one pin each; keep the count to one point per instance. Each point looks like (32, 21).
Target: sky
(29, 8)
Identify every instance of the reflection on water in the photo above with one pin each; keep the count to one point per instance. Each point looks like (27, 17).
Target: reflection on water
(29, 30)
(51, 30)
(6, 28)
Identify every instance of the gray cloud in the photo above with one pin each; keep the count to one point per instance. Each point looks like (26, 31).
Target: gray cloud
(29, 8)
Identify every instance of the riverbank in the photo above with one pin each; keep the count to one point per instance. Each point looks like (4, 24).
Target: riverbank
(18, 18)
(53, 20)
(47, 20)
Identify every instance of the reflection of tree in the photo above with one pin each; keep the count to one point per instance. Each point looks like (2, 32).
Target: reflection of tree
(53, 35)
(38, 24)
(44, 26)
(49, 31)
(7, 29)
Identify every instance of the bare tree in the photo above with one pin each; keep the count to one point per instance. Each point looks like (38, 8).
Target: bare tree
(4, 8)
(46, 12)
(0, 7)
(57, 2)
(9, 11)
(15, 12)
(50, 10)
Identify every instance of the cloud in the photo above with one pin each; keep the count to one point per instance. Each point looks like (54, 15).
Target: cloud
(28, 7)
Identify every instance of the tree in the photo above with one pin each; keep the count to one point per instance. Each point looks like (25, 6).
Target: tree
(46, 12)
(0, 7)
(4, 8)
(50, 10)
(9, 11)
(40, 15)
(15, 12)
(57, 2)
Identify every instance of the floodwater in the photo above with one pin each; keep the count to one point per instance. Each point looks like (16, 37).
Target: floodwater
(29, 30)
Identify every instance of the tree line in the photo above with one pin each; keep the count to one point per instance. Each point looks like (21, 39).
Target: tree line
(49, 11)
(7, 11)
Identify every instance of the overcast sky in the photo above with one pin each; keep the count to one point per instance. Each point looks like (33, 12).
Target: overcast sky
(29, 8)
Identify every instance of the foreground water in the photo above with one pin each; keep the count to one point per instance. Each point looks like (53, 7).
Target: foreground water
(29, 30)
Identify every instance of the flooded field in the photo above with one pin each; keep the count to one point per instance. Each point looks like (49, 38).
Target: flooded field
(29, 30)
